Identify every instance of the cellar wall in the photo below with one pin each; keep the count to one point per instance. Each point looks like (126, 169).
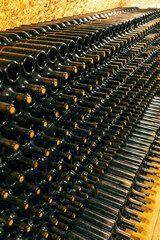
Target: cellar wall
(142, 3)
(17, 12)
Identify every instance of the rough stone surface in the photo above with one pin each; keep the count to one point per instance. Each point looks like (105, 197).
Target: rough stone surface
(142, 3)
(17, 12)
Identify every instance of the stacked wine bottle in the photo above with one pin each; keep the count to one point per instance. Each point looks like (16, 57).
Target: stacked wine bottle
(79, 125)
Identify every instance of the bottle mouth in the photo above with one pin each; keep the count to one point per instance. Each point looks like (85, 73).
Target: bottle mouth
(41, 60)
(28, 65)
(54, 26)
(47, 28)
(86, 42)
(98, 16)
(71, 48)
(93, 39)
(67, 23)
(122, 27)
(127, 24)
(103, 34)
(52, 55)
(13, 72)
(61, 25)
(4, 40)
(14, 37)
(74, 22)
(112, 30)
(107, 31)
(40, 30)
(79, 21)
(63, 51)
(79, 44)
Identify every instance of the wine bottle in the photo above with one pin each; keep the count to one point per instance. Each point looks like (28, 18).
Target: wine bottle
(39, 55)
(61, 46)
(8, 173)
(30, 148)
(50, 50)
(13, 128)
(24, 87)
(11, 70)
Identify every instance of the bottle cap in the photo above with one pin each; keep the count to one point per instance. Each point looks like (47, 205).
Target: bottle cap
(45, 124)
(12, 110)
(31, 135)
(29, 99)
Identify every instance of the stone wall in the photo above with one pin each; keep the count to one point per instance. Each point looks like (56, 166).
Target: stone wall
(17, 12)
(142, 3)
